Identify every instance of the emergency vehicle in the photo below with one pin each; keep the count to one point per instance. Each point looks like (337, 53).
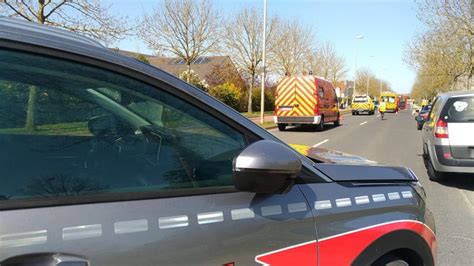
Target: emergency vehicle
(362, 104)
(391, 100)
(305, 99)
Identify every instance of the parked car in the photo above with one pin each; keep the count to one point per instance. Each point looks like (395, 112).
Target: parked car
(305, 100)
(106, 160)
(422, 116)
(448, 142)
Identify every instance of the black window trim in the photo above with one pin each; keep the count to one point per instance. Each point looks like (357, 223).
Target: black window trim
(249, 136)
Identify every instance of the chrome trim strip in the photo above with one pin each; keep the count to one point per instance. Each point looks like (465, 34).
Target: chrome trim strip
(239, 214)
(322, 204)
(271, 210)
(23, 239)
(210, 217)
(82, 231)
(378, 197)
(297, 207)
(362, 200)
(173, 221)
(132, 226)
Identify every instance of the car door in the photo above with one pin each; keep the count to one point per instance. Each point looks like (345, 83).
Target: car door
(323, 103)
(102, 168)
(329, 105)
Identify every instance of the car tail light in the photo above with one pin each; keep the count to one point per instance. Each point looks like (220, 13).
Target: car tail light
(441, 129)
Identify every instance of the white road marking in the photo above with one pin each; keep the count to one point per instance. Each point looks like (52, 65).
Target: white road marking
(320, 143)
(363, 123)
(378, 115)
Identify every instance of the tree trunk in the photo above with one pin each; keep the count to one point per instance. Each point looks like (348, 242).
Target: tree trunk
(188, 77)
(249, 106)
(31, 109)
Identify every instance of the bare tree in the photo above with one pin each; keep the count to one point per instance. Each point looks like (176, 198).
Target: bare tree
(293, 47)
(367, 82)
(443, 55)
(326, 63)
(243, 40)
(89, 17)
(186, 29)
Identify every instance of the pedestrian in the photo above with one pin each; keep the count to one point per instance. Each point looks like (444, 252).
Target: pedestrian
(382, 108)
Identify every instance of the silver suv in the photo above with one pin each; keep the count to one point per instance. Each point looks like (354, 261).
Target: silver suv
(448, 142)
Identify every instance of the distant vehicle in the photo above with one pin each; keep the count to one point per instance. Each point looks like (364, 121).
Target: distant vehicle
(391, 100)
(424, 102)
(402, 102)
(305, 100)
(448, 142)
(362, 104)
(422, 116)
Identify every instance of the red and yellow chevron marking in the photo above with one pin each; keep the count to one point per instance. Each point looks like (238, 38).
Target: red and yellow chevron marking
(297, 92)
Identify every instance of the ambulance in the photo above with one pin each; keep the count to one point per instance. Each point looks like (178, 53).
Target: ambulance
(391, 100)
(305, 100)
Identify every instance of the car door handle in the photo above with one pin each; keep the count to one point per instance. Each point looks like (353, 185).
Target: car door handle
(46, 259)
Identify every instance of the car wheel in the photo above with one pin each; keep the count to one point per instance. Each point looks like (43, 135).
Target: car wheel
(338, 121)
(432, 173)
(390, 261)
(353, 113)
(320, 126)
(282, 127)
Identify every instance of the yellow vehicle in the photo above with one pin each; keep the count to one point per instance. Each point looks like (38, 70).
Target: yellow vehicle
(362, 104)
(424, 102)
(390, 99)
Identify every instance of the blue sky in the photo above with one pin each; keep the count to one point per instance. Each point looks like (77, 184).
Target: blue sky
(387, 26)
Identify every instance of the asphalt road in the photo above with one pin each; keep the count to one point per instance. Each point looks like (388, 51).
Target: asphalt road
(395, 141)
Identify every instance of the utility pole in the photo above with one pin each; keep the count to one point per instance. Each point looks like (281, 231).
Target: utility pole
(368, 81)
(358, 37)
(262, 95)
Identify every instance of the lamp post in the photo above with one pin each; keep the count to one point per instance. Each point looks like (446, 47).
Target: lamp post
(368, 79)
(262, 95)
(358, 37)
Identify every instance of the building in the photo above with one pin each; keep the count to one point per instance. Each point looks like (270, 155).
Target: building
(205, 66)
(344, 91)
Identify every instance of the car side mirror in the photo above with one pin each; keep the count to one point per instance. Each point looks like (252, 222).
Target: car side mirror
(266, 167)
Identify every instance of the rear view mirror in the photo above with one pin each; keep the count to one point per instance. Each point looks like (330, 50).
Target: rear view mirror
(266, 167)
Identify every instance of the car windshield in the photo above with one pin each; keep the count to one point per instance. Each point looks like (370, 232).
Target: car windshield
(389, 99)
(360, 100)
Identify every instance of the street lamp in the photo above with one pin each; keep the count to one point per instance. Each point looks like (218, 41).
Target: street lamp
(262, 95)
(358, 37)
(368, 79)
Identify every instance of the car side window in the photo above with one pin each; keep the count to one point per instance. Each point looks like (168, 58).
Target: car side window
(321, 92)
(69, 129)
(432, 113)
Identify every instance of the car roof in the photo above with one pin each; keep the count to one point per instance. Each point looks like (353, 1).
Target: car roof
(453, 94)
